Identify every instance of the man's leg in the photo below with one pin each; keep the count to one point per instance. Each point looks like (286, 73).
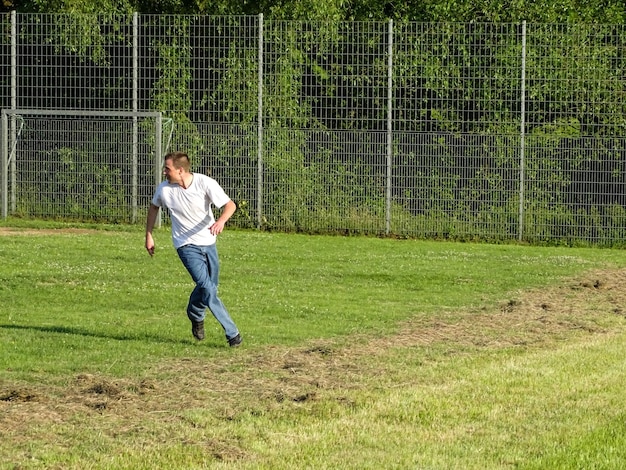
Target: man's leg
(202, 264)
(212, 300)
(195, 262)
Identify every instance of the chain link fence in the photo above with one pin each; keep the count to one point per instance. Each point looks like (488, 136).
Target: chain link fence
(461, 131)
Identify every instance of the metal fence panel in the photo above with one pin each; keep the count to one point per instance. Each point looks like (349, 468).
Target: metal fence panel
(73, 62)
(202, 71)
(456, 130)
(487, 131)
(576, 116)
(5, 60)
(82, 165)
(324, 113)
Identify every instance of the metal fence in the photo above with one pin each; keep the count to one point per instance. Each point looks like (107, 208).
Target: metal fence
(52, 170)
(464, 131)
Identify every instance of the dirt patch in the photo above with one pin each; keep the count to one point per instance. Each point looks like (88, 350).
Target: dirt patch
(18, 395)
(529, 317)
(14, 231)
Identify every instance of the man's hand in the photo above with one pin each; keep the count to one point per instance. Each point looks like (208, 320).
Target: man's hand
(150, 244)
(229, 209)
(217, 227)
(153, 211)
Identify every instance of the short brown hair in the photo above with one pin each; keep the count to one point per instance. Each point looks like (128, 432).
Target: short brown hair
(179, 160)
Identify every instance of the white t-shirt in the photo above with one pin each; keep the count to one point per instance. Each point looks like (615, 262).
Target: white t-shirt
(190, 209)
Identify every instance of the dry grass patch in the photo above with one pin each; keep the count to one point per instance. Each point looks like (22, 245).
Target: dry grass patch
(530, 318)
(12, 231)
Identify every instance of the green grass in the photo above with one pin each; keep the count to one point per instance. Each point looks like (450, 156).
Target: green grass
(358, 353)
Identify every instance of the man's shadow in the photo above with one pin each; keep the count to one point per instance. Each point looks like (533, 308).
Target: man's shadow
(130, 336)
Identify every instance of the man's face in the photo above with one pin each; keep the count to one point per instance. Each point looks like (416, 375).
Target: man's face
(172, 175)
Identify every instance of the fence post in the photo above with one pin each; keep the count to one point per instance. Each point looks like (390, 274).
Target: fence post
(135, 80)
(13, 170)
(158, 153)
(522, 135)
(259, 203)
(4, 151)
(389, 127)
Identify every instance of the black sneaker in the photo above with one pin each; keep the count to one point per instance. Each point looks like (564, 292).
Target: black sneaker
(235, 341)
(197, 330)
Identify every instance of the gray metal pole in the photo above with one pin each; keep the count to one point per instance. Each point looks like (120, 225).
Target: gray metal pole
(158, 153)
(522, 163)
(13, 140)
(389, 128)
(4, 150)
(135, 144)
(259, 200)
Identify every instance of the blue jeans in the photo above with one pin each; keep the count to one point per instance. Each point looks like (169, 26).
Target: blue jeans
(204, 266)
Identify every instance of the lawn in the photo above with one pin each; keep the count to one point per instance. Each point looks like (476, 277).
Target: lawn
(358, 353)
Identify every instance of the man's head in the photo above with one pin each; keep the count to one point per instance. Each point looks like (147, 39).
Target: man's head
(175, 166)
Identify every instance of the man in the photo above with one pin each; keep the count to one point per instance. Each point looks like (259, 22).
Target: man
(188, 197)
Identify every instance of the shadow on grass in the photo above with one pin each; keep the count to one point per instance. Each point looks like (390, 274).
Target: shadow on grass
(118, 337)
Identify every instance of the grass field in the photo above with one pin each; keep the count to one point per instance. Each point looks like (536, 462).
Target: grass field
(359, 353)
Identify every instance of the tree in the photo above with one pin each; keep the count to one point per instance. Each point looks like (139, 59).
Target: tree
(496, 11)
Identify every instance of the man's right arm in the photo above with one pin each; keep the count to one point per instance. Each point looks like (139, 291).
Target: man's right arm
(153, 211)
